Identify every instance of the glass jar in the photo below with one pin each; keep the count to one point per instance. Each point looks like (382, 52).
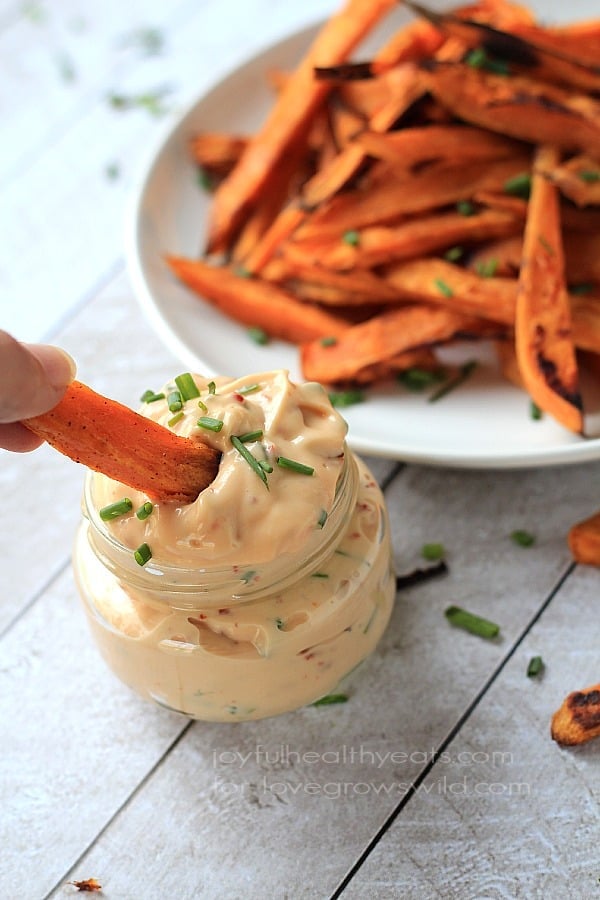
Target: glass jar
(238, 642)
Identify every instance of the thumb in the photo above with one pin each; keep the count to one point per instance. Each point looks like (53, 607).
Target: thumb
(33, 378)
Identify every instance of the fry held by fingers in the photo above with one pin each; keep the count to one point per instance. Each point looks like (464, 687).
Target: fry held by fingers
(108, 437)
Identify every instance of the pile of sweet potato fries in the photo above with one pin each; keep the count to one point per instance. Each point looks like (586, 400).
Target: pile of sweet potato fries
(447, 188)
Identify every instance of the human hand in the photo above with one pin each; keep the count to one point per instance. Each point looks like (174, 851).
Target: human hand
(33, 378)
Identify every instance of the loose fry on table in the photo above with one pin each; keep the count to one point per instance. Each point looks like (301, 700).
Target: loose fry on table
(578, 718)
(543, 330)
(584, 541)
(257, 303)
(288, 120)
(111, 438)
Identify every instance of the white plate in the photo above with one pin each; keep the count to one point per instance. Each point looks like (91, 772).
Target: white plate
(483, 424)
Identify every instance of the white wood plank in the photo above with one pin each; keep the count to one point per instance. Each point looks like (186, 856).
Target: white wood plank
(508, 813)
(226, 832)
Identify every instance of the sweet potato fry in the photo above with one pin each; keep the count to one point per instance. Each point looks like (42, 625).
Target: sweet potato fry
(384, 337)
(217, 153)
(256, 303)
(578, 179)
(584, 541)
(111, 438)
(543, 330)
(520, 107)
(578, 718)
(288, 121)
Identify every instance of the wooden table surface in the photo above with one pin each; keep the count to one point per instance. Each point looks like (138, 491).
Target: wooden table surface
(438, 779)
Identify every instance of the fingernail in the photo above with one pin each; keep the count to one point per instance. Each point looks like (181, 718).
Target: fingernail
(59, 367)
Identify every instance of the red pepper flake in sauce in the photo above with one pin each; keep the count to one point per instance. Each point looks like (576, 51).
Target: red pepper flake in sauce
(225, 611)
(89, 884)
(238, 397)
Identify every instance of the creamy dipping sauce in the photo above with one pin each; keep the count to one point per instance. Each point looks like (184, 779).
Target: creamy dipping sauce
(259, 597)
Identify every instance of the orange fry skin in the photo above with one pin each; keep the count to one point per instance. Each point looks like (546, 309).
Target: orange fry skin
(108, 437)
(578, 718)
(584, 541)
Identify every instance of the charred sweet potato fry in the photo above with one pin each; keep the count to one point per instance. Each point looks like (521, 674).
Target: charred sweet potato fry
(543, 330)
(578, 718)
(584, 541)
(111, 438)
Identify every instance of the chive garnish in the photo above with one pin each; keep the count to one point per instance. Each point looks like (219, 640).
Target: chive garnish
(187, 386)
(212, 388)
(351, 237)
(534, 411)
(250, 436)
(330, 699)
(462, 375)
(116, 509)
(346, 398)
(443, 288)
(433, 552)
(174, 401)
(265, 466)
(328, 341)
(175, 419)
(322, 518)
(584, 287)
(204, 179)
(249, 389)
(294, 466)
(465, 208)
(151, 397)
(416, 379)
(487, 268)
(589, 175)
(546, 245)
(518, 185)
(242, 272)
(535, 667)
(479, 59)
(461, 618)
(209, 423)
(142, 554)
(203, 406)
(258, 335)
(522, 538)
(145, 510)
(454, 254)
(250, 459)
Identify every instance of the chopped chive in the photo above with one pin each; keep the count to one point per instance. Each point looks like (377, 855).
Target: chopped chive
(584, 287)
(187, 386)
(112, 171)
(443, 288)
(479, 59)
(250, 459)
(351, 237)
(258, 335)
(250, 436)
(279, 623)
(465, 208)
(462, 375)
(487, 268)
(203, 406)
(248, 576)
(142, 554)
(204, 179)
(346, 398)
(546, 245)
(175, 419)
(144, 511)
(242, 272)
(174, 401)
(416, 379)
(328, 341)
(299, 467)
(460, 618)
(116, 509)
(518, 185)
(330, 699)
(249, 389)
(265, 466)
(433, 552)
(319, 575)
(322, 518)
(209, 423)
(535, 667)
(151, 397)
(535, 412)
(522, 538)
(589, 175)
(212, 388)
(453, 254)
